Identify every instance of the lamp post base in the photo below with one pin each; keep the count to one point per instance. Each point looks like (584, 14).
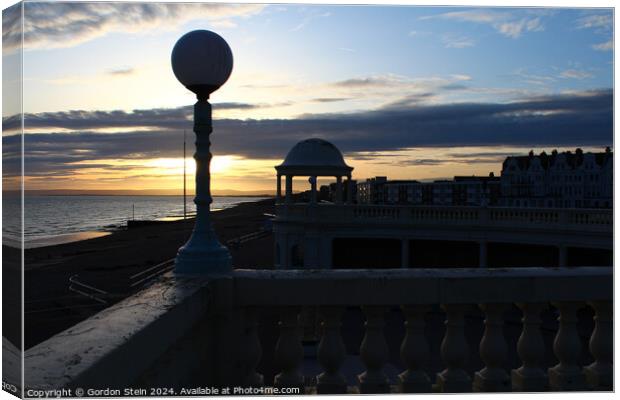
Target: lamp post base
(208, 259)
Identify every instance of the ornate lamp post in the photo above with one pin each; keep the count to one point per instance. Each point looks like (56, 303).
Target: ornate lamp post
(202, 61)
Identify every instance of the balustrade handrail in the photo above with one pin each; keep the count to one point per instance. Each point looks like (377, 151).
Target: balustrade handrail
(458, 214)
(421, 286)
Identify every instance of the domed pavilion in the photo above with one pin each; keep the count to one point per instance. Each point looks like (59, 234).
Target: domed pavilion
(313, 158)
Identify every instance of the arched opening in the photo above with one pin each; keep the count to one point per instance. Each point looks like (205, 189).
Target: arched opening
(297, 256)
(351, 253)
(443, 254)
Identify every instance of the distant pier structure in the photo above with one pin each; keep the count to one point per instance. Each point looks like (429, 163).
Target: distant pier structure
(343, 233)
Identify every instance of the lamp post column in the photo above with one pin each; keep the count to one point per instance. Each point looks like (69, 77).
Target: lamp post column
(203, 253)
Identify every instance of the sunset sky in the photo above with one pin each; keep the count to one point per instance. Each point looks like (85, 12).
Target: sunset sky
(407, 92)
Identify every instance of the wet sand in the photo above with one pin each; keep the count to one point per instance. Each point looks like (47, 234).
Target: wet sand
(107, 262)
(64, 238)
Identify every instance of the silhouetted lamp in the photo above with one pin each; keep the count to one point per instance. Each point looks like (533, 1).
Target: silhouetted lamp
(202, 61)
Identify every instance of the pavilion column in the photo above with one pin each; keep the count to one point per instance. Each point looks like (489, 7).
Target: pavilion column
(339, 190)
(349, 190)
(279, 190)
(313, 190)
(482, 258)
(289, 189)
(404, 253)
(326, 251)
(562, 256)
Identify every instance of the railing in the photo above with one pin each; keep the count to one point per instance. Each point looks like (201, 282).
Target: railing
(415, 291)
(146, 275)
(184, 332)
(590, 219)
(87, 291)
(238, 241)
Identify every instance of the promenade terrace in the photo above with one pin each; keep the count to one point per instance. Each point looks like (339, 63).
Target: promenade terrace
(318, 228)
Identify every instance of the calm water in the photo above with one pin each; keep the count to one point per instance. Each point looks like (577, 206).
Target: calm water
(56, 219)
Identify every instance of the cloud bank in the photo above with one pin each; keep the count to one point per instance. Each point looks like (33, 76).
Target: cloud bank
(52, 24)
(574, 119)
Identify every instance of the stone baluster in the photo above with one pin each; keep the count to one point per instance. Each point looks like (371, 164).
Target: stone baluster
(454, 351)
(493, 377)
(414, 351)
(530, 377)
(599, 374)
(374, 352)
(331, 353)
(289, 351)
(251, 350)
(567, 375)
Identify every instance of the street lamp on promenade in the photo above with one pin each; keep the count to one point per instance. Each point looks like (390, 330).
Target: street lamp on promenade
(202, 61)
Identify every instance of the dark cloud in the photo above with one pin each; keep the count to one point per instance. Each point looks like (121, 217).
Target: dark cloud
(121, 71)
(364, 83)
(330, 99)
(365, 156)
(62, 24)
(410, 100)
(500, 155)
(446, 160)
(422, 161)
(578, 119)
(238, 106)
(453, 86)
(169, 118)
(12, 27)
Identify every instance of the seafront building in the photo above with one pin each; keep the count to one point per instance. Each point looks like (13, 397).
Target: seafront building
(571, 180)
(462, 191)
(558, 180)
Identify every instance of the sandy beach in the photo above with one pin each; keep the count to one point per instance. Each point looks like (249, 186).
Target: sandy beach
(107, 262)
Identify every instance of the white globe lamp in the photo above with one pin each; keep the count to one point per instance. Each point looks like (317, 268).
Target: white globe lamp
(202, 61)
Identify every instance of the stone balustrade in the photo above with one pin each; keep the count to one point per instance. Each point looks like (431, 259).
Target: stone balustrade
(457, 291)
(182, 332)
(316, 227)
(590, 219)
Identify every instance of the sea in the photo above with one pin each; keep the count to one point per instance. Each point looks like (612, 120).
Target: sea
(50, 220)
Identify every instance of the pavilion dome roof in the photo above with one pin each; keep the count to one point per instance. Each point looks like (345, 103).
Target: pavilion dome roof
(314, 155)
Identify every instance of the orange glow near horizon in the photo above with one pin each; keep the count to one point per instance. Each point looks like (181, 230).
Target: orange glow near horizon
(232, 173)
(228, 173)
